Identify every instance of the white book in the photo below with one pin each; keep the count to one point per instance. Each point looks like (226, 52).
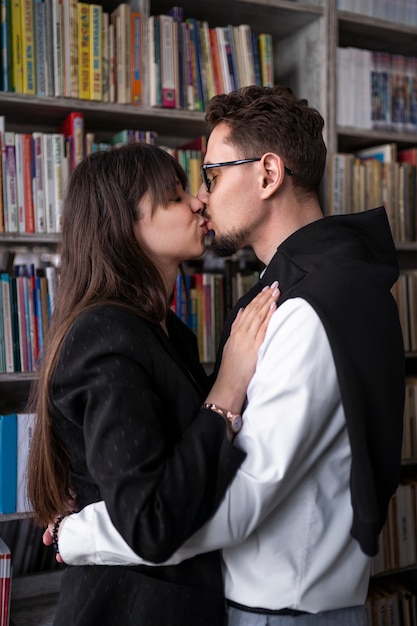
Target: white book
(21, 204)
(39, 184)
(47, 150)
(25, 427)
(12, 224)
(58, 165)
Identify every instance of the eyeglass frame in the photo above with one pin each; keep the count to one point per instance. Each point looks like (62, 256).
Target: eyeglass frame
(208, 166)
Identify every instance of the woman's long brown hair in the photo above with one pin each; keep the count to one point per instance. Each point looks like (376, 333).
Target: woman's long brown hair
(101, 262)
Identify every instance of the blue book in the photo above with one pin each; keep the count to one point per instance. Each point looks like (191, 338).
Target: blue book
(8, 463)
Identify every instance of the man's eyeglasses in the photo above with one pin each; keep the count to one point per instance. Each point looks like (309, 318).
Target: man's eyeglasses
(208, 166)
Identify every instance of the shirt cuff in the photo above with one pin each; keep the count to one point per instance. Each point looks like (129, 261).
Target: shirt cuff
(98, 546)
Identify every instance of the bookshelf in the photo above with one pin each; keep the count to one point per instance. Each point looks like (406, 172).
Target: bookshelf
(306, 35)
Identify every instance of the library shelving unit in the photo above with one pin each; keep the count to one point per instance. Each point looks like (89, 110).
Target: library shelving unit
(305, 37)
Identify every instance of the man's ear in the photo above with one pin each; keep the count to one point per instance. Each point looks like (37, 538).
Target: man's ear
(272, 174)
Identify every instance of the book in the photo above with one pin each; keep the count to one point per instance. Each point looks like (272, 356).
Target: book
(73, 48)
(47, 155)
(6, 51)
(8, 462)
(120, 17)
(11, 208)
(136, 53)
(168, 93)
(105, 45)
(39, 46)
(25, 427)
(266, 59)
(58, 58)
(25, 350)
(386, 152)
(20, 183)
(16, 46)
(5, 582)
(49, 48)
(28, 48)
(96, 68)
(39, 183)
(28, 181)
(7, 323)
(3, 199)
(73, 128)
(59, 179)
(83, 51)
(179, 59)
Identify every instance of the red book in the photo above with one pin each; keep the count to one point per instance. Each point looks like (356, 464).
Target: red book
(73, 129)
(28, 176)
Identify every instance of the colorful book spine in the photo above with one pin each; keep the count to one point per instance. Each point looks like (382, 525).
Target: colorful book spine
(20, 191)
(6, 53)
(58, 176)
(167, 61)
(7, 323)
(96, 69)
(12, 225)
(266, 59)
(73, 48)
(28, 48)
(122, 35)
(83, 51)
(48, 173)
(28, 181)
(39, 183)
(58, 58)
(136, 58)
(39, 34)
(8, 463)
(105, 93)
(16, 47)
(49, 49)
(73, 129)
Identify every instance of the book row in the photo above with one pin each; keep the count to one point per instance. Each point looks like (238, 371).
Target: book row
(374, 177)
(79, 50)
(35, 168)
(202, 300)
(401, 11)
(16, 430)
(397, 543)
(189, 61)
(391, 603)
(26, 302)
(385, 92)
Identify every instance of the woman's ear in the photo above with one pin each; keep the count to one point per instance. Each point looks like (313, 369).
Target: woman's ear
(272, 174)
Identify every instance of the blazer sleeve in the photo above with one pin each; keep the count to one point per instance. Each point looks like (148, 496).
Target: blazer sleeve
(110, 409)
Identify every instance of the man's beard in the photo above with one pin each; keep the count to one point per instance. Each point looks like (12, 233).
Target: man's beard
(228, 244)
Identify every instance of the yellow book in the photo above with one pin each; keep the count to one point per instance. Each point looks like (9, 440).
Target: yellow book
(266, 59)
(96, 58)
(28, 48)
(84, 50)
(17, 61)
(73, 47)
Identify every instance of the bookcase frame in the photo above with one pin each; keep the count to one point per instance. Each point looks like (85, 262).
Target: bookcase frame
(306, 35)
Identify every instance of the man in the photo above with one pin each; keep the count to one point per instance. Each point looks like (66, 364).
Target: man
(323, 418)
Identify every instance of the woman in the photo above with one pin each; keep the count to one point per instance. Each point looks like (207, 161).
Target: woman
(120, 389)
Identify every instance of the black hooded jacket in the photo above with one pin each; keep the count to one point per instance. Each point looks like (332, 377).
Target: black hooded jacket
(345, 266)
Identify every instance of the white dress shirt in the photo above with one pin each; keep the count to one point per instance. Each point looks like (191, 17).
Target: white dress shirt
(284, 524)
